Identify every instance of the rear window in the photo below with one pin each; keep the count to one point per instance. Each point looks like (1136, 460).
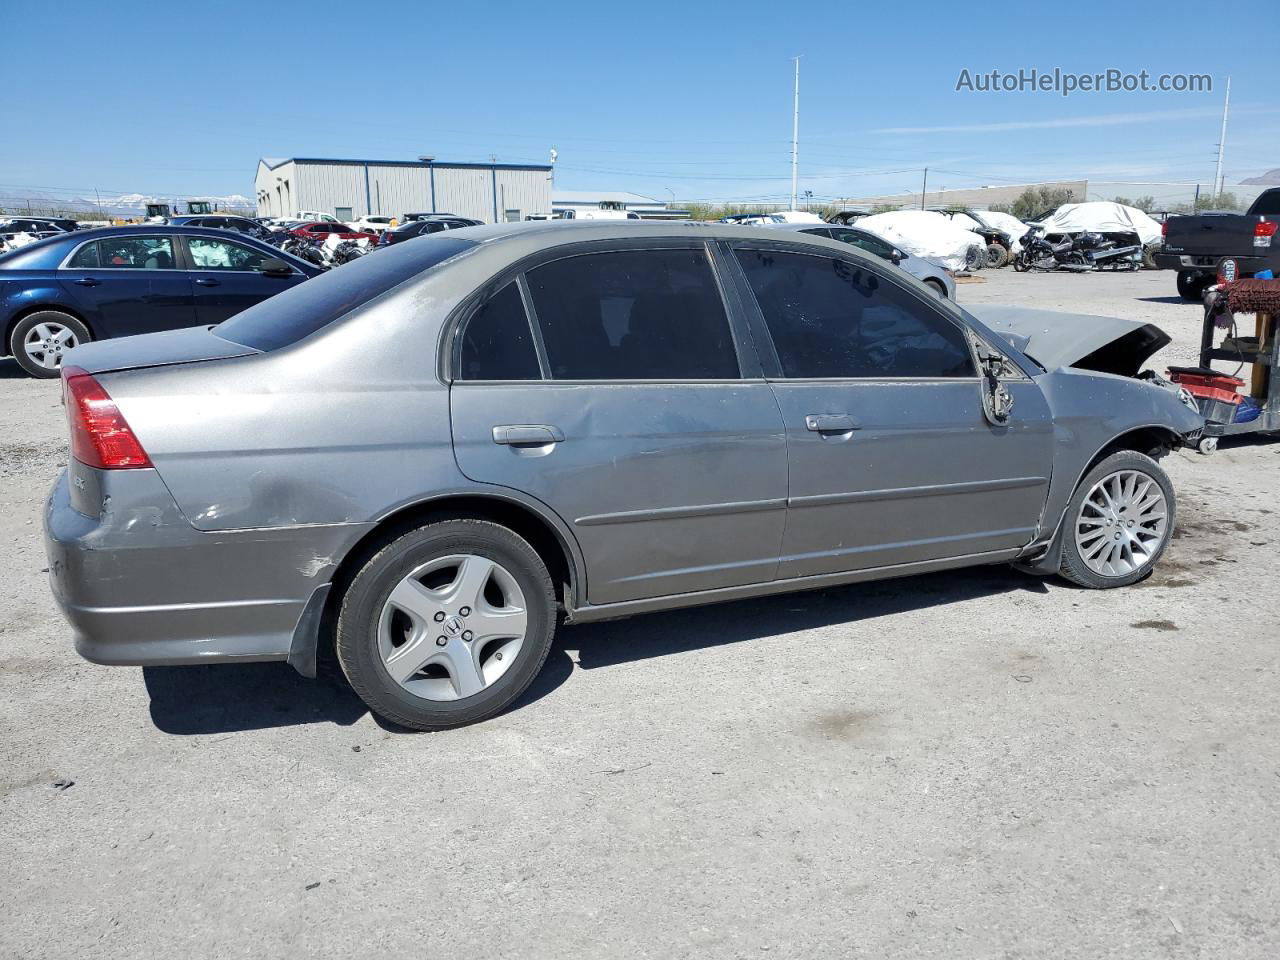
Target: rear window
(302, 310)
(1267, 204)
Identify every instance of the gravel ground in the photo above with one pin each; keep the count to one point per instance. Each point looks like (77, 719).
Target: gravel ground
(976, 764)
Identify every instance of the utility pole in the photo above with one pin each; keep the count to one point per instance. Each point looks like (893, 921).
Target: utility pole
(795, 136)
(1222, 143)
(924, 184)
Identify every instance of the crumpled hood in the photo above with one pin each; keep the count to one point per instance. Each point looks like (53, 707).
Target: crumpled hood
(1055, 339)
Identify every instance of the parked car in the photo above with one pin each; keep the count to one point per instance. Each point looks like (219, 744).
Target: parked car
(222, 221)
(320, 231)
(999, 242)
(374, 224)
(10, 227)
(1194, 246)
(26, 224)
(422, 224)
(934, 275)
(71, 288)
(428, 457)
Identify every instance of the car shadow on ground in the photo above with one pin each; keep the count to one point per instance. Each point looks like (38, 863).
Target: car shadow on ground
(230, 698)
(9, 370)
(1174, 299)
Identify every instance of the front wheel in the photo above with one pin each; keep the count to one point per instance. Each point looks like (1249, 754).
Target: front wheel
(997, 256)
(1022, 262)
(447, 624)
(1119, 522)
(40, 340)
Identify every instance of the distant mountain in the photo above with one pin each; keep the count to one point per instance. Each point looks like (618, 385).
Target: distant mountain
(1269, 179)
(124, 206)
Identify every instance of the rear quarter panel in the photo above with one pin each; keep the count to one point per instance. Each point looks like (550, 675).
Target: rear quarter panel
(22, 291)
(329, 430)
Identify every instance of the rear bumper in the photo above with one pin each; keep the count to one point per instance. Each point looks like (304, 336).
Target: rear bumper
(1201, 263)
(140, 586)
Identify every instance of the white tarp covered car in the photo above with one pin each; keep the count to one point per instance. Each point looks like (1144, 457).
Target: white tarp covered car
(923, 233)
(1102, 216)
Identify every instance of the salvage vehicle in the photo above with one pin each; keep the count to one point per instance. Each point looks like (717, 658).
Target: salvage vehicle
(999, 242)
(245, 225)
(321, 230)
(931, 273)
(1195, 245)
(71, 288)
(423, 461)
(372, 223)
(421, 224)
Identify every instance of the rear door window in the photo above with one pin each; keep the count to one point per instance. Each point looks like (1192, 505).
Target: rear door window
(136, 253)
(497, 343)
(633, 315)
(829, 318)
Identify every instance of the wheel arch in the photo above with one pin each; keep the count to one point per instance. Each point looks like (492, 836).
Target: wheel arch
(1154, 440)
(544, 532)
(27, 311)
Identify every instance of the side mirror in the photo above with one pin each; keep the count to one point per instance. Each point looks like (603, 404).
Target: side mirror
(897, 256)
(275, 267)
(997, 401)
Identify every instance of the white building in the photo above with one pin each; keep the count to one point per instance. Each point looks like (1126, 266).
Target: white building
(350, 189)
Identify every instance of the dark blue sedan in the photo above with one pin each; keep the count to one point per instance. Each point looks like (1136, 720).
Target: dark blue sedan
(119, 281)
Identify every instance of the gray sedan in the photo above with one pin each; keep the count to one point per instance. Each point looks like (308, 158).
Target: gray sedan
(428, 459)
(934, 275)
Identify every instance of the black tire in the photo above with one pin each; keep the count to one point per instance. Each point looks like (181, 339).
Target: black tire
(937, 287)
(52, 318)
(997, 256)
(1192, 285)
(1022, 262)
(1073, 566)
(1149, 258)
(974, 258)
(362, 604)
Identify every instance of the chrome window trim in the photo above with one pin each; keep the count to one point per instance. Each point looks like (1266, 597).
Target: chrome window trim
(80, 246)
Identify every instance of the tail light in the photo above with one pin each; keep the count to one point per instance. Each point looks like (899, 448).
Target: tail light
(1164, 229)
(100, 437)
(1263, 231)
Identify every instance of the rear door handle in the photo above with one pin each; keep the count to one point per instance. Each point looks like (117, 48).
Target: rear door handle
(206, 281)
(86, 281)
(526, 434)
(831, 423)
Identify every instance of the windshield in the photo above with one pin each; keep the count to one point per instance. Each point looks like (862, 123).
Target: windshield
(302, 310)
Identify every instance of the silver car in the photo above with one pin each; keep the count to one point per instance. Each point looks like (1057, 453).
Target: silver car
(934, 275)
(429, 458)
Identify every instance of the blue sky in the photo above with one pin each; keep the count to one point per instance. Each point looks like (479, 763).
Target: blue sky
(688, 100)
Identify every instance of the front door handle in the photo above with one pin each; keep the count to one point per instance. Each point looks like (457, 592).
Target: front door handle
(86, 281)
(527, 434)
(831, 423)
(206, 281)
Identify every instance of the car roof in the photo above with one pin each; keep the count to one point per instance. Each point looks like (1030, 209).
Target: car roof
(798, 227)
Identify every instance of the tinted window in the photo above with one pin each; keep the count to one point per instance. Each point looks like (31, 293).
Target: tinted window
(209, 254)
(497, 343)
(829, 318)
(1267, 204)
(633, 315)
(299, 311)
(86, 258)
(136, 253)
(864, 241)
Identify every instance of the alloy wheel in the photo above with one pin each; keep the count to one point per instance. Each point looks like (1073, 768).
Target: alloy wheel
(45, 344)
(1123, 523)
(452, 627)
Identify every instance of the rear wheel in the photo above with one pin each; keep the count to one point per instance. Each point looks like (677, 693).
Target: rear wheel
(1119, 521)
(40, 340)
(447, 624)
(997, 256)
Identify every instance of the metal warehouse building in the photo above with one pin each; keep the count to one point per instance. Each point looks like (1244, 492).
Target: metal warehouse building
(350, 189)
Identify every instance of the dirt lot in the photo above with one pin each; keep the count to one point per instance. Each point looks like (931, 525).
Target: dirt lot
(965, 765)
